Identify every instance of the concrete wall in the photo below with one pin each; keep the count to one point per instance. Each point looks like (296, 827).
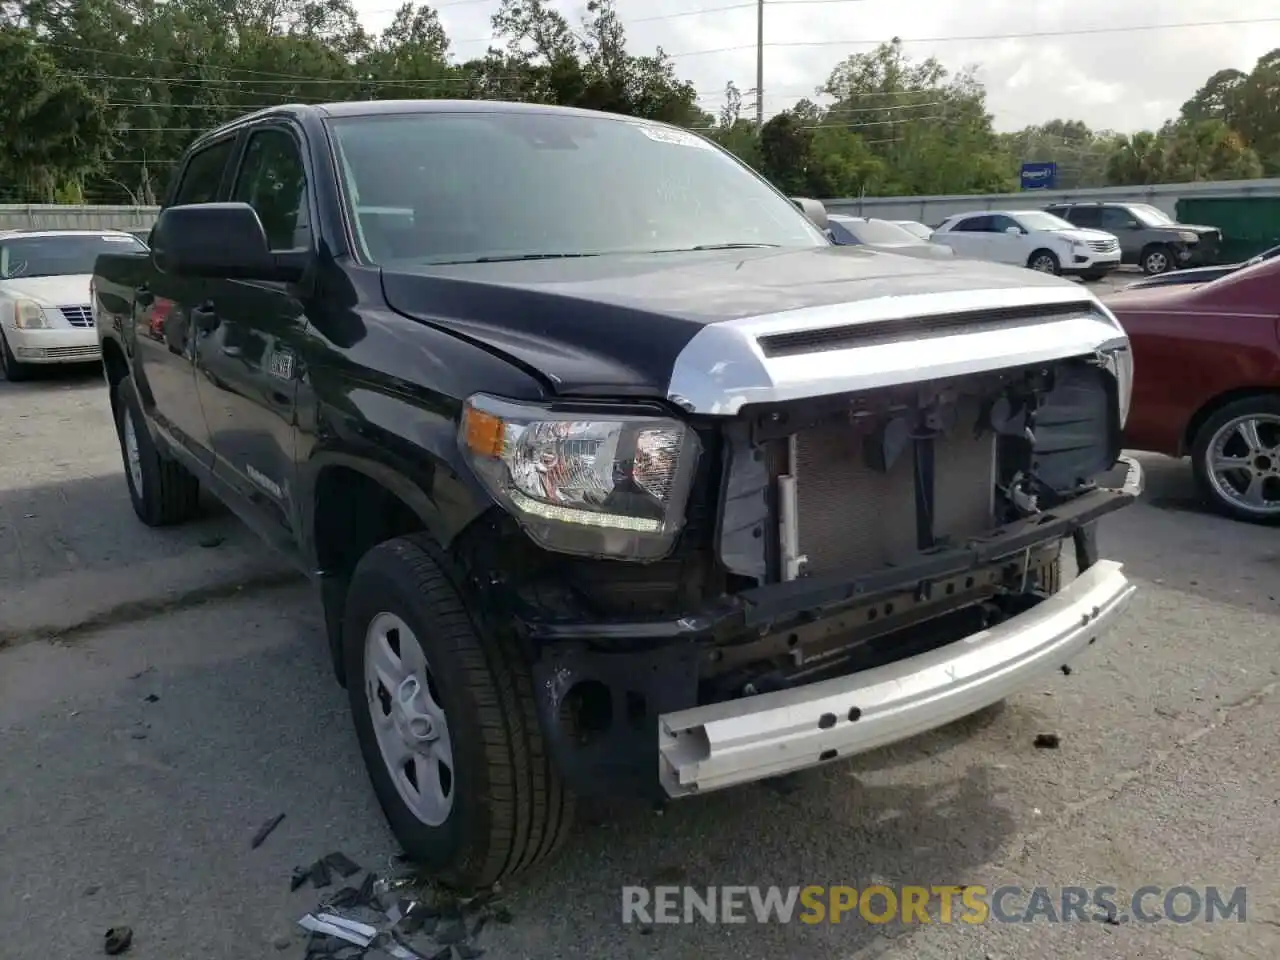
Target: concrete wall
(85, 217)
(933, 210)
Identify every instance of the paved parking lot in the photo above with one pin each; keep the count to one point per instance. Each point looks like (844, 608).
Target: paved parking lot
(117, 808)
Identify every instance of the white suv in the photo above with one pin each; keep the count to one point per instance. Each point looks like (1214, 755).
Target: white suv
(1031, 238)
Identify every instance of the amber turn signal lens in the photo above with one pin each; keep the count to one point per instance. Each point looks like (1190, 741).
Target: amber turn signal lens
(483, 433)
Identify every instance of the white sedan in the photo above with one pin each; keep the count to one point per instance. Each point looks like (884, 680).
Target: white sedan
(1031, 238)
(45, 315)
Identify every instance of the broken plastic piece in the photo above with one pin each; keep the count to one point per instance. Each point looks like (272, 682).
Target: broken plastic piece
(344, 899)
(265, 831)
(365, 894)
(320, 875)
(444, 954)
(467, 952)
(1047, 741)
(342, 864)
(300, 876)
(117, 940)
(333, 925)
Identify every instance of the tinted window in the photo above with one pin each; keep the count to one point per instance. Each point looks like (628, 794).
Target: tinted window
(1116, 218)
(273, 182)
(974, 225)
(1039, 220)
(203, 176)
(999, 224)
(1089, 217)
(60, 256)
(512, 184)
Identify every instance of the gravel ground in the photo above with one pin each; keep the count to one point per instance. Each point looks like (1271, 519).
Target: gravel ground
(117, 808)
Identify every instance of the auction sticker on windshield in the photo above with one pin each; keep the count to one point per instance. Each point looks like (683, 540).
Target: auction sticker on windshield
(675, 137)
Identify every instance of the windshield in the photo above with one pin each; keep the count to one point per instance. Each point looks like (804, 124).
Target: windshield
(1038, 220)
(917, 229)
(465, 187)
(876, 231)
(1150, 216)
(60, 256)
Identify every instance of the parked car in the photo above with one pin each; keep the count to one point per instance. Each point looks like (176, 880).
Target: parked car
(1031, 238)
(1148, 236)
(654, 500)
(143, 235)
(883, 235)
(44, 296)
(1208, 383)
(1201, 274)
(911, 226)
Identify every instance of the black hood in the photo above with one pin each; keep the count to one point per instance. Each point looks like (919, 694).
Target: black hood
(615, 324)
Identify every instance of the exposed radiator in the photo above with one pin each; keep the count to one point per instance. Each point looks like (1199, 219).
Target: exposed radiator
(854, 519)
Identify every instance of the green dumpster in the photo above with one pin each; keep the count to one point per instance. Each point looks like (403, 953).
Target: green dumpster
(1249, 225)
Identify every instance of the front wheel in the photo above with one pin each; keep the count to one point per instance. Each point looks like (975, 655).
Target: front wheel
(1045, 261)
(1236, 459)
(10, 368)
(163, 491)
(446, 722)
(1158, 260)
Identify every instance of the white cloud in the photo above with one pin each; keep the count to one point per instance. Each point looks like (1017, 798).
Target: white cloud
(1120, 80)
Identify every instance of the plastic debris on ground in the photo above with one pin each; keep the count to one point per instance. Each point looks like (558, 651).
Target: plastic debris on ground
(117, 940)
(265, 831)
(401, 918)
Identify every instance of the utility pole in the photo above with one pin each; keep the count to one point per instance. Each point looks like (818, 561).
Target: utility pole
(759, 65)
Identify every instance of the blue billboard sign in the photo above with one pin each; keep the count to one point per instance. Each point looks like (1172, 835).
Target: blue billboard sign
(1039, 175)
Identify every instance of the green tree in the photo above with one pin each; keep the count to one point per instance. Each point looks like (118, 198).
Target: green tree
(54, 129)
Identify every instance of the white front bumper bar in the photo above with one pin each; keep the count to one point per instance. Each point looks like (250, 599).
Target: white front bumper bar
(738, 741)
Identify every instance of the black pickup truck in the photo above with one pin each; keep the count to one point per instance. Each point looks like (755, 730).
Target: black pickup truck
(613, 473)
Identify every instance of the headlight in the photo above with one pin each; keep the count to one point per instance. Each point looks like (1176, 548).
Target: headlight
(29, 315)
(594, 483)
(1187, 236)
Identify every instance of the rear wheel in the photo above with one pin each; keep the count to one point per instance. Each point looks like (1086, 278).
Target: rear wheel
(162, 490)
(10, 368)
(1236, 458)
(1157, 260)
(446, 722)
(1044, 261)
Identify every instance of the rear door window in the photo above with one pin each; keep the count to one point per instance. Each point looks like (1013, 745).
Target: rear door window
(1089, 217)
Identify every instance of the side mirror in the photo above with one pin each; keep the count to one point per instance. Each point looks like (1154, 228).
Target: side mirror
(218, 240)
(813, 209)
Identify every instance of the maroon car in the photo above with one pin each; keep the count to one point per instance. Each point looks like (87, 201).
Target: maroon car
(1207, 383)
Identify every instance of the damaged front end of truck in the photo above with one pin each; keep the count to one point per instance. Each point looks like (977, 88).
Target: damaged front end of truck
(846, 527)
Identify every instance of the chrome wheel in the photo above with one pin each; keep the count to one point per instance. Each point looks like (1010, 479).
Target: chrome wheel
(1157, 262)
(1242, 463)
(132, 456)
(1044, 264)
(408, 721)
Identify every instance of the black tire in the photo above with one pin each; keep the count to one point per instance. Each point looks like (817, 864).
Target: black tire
(10, 368)
(1263, 405)
(1045, 261)
(1158, 259)
(510, 809)
(170, 494)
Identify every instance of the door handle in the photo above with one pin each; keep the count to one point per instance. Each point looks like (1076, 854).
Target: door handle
(205, 318)
(143, 297)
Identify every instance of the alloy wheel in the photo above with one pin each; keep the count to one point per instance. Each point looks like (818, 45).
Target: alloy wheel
(1243, 463)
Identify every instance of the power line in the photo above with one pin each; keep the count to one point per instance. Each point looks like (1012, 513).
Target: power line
(1038, 34)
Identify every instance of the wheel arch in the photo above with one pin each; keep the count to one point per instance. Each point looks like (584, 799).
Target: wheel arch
(115, 366)
(354, 502)
(1031, 257)
(1213, 405)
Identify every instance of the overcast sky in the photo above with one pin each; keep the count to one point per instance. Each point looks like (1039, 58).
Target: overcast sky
(1121, 80)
